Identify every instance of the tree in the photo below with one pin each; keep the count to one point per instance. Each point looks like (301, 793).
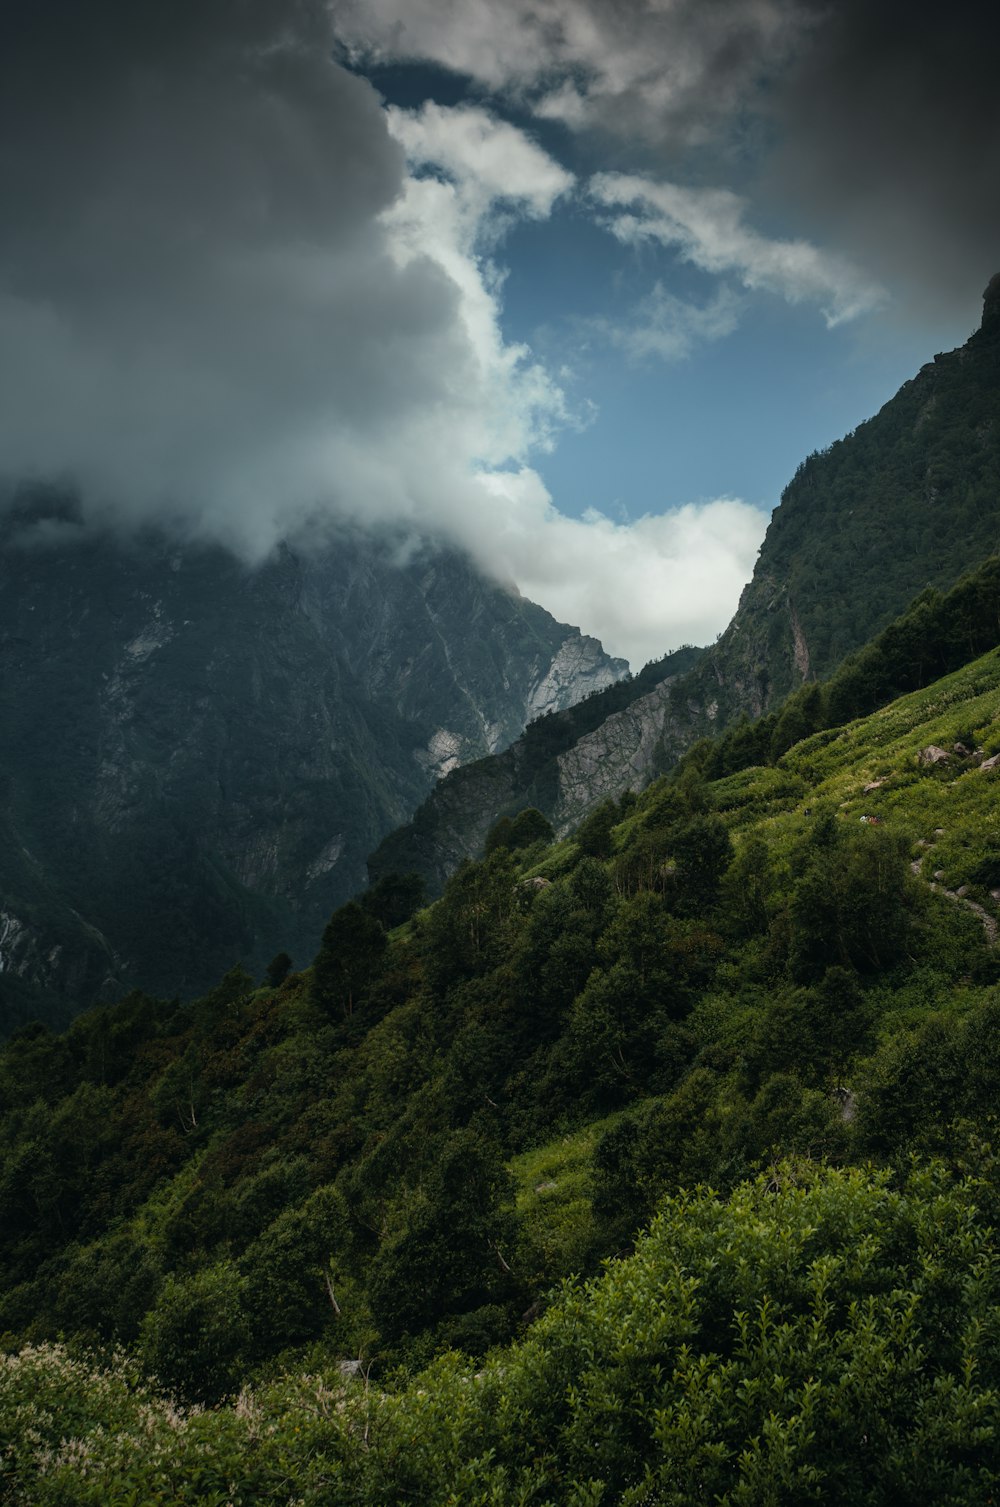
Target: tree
(593, 835)
(349, 956)
(457, 1251)
(195, 1337)
(278, 969)
(528, 827)
(394, 899)
(703, 851)
(850, 906)
(471, 928)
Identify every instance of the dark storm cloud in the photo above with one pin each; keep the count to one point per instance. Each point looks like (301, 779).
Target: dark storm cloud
(890, 137)
(197, 295)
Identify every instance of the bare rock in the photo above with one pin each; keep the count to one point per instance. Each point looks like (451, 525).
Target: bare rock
(991, 763)
(934, 754)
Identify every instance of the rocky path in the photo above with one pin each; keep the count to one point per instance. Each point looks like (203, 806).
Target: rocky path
(988, 922)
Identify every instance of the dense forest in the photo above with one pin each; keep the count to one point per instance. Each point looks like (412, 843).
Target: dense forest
(369, 1233)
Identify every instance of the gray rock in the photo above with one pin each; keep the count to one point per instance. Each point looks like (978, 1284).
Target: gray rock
(934, 754)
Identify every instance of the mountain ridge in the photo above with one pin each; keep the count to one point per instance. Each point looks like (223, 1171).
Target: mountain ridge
(909, 499)
(196, 757)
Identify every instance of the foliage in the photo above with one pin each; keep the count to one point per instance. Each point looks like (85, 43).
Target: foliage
(318, 1171)
(816, 1336)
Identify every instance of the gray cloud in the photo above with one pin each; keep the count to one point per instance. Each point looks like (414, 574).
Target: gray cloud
(870, 126)
(889, 135)
(199, 299)
(671, 75)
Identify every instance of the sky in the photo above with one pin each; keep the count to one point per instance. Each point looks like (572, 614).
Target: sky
(573, 285)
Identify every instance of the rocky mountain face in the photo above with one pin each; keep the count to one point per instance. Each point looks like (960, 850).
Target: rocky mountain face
(196, 758)
(910, 499)
(563, 764)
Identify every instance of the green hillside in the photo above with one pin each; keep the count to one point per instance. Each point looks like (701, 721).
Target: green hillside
(904, 505)
(399, 1153)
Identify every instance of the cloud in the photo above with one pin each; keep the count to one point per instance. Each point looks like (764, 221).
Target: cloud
(666, 328)
(888, 134)
(240, 298)
(490, 161)
(192, 243)
(669, 73)
(874, 127)
(224, 301)
(643, 587)
(707, 227)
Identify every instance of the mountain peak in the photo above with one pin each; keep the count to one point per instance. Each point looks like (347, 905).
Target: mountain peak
(991, 301)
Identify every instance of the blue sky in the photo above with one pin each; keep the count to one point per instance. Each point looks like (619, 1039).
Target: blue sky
(573, 285)
(727, 416)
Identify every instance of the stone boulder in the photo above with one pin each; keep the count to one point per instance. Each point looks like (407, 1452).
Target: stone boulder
(934, 754)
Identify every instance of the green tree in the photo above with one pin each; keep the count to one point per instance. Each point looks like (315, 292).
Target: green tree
(394, 899)
(278, 969)
(593, 835)
(348, 959)
(852, 905)
(195, 1337)
(473, 926)
(457, 1252)
(528, 827)
(703, 851)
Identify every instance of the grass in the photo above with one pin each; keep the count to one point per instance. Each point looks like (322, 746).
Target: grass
(553, 1201)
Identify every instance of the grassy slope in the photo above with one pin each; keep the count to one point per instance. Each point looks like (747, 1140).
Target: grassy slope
(955, 812)
(426, 1439)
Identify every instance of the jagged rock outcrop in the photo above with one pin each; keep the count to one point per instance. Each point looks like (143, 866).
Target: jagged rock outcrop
(580, 666)
(196, 758)
(563, 764)
(910, 499)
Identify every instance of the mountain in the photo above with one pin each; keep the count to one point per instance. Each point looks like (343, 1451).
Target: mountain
(196, 757)
(765, 1025)
(563, 764)
(910, 499)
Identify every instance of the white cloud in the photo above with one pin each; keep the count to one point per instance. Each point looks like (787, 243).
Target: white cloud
(490, 161)
(663, 69)
(486, 172)
(642, 588)
(666, 328)
(249, 301)
(707, 227)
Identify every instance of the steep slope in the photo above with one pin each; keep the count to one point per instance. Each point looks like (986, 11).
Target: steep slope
(562, 764)
(910, 499)
(196, 758)
(752, 973)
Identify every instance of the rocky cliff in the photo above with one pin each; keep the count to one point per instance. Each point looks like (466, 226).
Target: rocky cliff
(911, 498)
(195, 758)
(563, 764)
